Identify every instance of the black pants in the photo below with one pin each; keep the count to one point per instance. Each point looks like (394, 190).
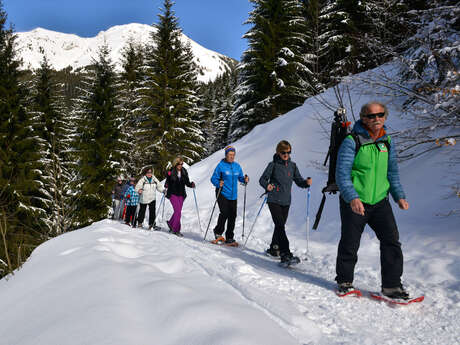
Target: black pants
(227, 214)
(130, 216)
(381, 219)
(279, 216)
(141, 216)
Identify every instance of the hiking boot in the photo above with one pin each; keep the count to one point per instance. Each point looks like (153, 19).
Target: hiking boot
(396, 293)
(178, 233)
(216, 235)
(273, 251)
(229, 240)
(344, 288)
(156, 228)
(287, 259)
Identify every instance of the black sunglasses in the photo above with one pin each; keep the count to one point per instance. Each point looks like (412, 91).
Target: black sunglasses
(285, 152)
(373, 116)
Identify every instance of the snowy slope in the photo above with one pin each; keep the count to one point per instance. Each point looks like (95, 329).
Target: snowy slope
(65, 50)
(109, 284)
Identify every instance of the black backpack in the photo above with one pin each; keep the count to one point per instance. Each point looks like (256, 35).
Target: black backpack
(340, 129)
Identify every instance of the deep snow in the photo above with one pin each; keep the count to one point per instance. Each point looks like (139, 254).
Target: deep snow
(110, 284)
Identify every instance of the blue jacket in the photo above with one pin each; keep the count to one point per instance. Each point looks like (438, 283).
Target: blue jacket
(345, 160)
(231, 173)
(133, 199)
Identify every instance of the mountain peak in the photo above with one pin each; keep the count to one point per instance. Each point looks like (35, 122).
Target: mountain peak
(64, 50)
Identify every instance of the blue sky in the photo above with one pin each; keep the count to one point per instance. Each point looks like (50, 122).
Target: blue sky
(215, 24)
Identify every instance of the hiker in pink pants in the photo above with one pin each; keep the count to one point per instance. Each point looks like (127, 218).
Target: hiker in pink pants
(176, 180)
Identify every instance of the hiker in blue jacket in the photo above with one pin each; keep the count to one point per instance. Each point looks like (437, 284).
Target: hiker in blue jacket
(226, 177)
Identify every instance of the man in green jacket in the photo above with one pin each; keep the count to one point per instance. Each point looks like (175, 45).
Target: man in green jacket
(366, 172)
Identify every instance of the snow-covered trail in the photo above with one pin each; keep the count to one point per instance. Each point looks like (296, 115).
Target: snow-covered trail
(302, 300)
(110, 284)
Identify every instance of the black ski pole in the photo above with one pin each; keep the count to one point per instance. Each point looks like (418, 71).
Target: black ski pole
(212, 212)
(244, 207)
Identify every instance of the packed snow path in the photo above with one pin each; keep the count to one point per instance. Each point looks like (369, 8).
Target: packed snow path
(110, 284)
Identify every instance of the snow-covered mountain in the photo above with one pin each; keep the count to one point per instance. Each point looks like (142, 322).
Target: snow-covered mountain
(65, 50)
(110, 284)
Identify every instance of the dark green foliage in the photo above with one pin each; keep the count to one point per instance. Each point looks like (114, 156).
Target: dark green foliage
(130, 93)
(99, 134)
(216, 104)
(53, 129)
(170, 124)
(18, 161)
(274, 71)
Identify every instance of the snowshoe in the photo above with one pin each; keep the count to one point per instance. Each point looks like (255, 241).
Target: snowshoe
(347, 289)
(218, 240)
(288, 260)
(396, 301)
(231, 242)
(397, 295)
(178, 233)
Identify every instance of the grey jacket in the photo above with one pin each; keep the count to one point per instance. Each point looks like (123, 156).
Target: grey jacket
(281, 174)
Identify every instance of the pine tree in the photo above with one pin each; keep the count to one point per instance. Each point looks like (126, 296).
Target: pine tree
(225, 105)
(53, 129)
(274, 70)
(98, 142)
(171, 125)
(18, 160)
(311, 12)
(130, 95)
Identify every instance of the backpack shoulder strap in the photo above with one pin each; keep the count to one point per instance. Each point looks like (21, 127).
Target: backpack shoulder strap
(357, 141)
(388, 143)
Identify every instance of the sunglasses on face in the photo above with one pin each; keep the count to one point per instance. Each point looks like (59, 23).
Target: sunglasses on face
(180, 163)
(285, 152)
(373, 116)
